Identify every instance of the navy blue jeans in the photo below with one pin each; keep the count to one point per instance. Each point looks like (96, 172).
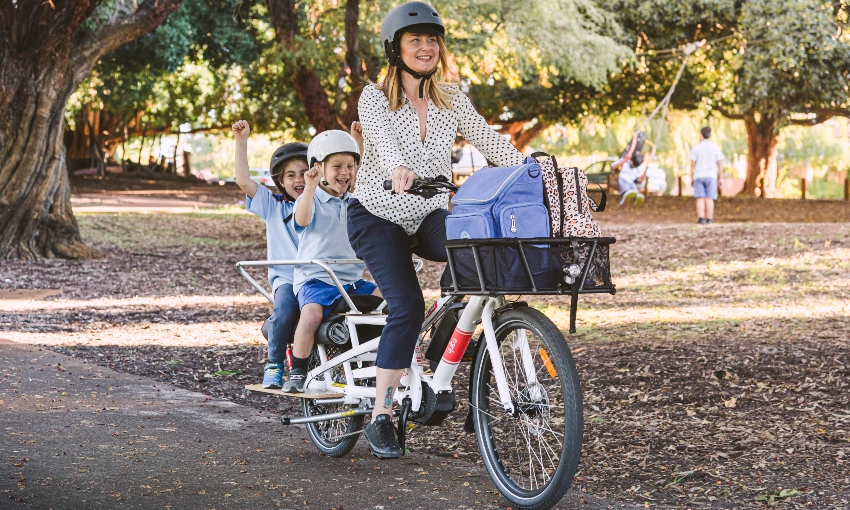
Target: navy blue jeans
(282, 322)
(387, 249)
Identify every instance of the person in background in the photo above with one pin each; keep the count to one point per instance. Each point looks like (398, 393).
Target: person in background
(706, 172)
(633, 166)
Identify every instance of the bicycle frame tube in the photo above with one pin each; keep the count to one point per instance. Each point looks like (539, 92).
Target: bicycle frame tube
(323, 263)
(457, 344)
(493, 350)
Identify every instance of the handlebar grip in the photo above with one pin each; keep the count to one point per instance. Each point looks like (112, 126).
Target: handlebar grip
(388, 185)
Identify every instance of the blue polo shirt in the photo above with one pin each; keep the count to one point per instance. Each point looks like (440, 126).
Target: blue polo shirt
(326, 237)
(281, 239)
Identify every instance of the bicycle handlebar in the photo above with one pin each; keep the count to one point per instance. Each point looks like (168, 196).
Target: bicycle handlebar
(428, 187)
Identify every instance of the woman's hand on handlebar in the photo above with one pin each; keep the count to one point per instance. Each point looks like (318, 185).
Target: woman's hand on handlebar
(402, 179)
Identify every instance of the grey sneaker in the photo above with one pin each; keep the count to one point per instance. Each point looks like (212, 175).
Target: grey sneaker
(295, 383)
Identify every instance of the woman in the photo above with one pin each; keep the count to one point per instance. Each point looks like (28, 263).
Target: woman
(409, 122)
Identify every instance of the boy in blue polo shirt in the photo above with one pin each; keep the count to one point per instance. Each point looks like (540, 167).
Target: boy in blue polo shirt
(287, 167)
(320, 218)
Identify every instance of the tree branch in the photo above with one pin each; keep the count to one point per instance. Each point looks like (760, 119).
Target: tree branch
(147, 17)
(352, 60)
(726, 113)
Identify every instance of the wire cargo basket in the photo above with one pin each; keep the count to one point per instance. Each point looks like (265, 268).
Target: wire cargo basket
(530, 266)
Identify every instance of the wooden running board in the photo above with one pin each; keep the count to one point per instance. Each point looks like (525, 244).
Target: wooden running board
(258, 388)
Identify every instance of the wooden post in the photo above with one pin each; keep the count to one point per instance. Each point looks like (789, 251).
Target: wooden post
(803, 188)
(847, 188)
(681, 185)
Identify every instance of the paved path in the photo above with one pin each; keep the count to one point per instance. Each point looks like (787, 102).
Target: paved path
(76, 435)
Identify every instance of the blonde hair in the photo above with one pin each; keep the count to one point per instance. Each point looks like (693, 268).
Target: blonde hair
(439, 92)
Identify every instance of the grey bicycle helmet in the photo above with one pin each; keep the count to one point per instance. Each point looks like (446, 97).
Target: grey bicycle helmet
(417, 17)
(283, 154)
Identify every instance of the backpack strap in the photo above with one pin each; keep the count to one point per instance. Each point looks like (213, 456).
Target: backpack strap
(601, 205)
(535, 155)
(578, 190)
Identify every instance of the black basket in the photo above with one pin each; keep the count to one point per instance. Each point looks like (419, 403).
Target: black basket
(529, 266)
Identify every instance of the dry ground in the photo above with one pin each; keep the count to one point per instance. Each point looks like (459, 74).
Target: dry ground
(716, 377)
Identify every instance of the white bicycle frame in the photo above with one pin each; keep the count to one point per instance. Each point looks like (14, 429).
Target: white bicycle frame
(479, 308)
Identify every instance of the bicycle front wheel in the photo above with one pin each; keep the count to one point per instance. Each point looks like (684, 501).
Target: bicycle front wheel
(531, 454)
(334, 438)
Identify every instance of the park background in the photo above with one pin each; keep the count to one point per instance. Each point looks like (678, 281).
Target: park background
(716, 377)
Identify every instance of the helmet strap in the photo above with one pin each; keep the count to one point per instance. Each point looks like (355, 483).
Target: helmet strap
(324, 182)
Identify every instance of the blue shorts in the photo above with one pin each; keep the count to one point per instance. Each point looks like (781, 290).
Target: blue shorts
(705, 188)
(626, 185)
(317, 291)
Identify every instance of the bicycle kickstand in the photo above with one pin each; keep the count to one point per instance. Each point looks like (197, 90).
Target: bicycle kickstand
(406, 404)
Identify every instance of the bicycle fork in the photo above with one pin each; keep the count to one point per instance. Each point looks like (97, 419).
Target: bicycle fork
(479, 307)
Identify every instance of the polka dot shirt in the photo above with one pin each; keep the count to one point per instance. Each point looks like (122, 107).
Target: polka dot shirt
(391, 139)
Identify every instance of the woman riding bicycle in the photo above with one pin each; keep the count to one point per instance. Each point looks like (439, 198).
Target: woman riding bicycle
(409, 121)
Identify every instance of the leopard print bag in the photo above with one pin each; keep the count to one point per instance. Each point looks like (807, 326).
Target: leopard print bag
(567, 200)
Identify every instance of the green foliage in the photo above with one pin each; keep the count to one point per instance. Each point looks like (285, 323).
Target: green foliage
(791, 57)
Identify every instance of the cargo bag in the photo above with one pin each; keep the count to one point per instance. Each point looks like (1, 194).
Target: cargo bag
(500, 203)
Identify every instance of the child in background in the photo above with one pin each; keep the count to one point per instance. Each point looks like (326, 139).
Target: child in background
(288, 166)
(321, 219)
(633, 167)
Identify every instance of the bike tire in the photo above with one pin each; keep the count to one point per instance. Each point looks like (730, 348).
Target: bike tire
(330, 437)
(532, 455)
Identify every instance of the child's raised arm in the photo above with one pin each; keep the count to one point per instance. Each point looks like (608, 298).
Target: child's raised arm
(241, 130)
(304, 207)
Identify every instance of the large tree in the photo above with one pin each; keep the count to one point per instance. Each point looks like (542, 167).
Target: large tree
(187, 71)
(329, 49)
(765, 62)
(44, 56)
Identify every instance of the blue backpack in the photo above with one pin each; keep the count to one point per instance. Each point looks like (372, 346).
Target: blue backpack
(500, 202)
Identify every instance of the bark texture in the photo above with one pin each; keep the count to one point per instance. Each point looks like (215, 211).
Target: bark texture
(40, 66)
(762, 139)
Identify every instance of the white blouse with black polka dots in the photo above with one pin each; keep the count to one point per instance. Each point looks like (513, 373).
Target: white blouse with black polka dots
(391, 139)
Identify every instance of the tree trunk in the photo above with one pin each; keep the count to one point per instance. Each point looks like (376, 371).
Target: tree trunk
(520, 137)
(317, 105)
(762, 139)
(39, 69)
(35, 193)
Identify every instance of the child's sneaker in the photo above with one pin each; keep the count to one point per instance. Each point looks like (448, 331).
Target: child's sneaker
(629, 194)
(295, 383)
(639, 199)
(273, 376)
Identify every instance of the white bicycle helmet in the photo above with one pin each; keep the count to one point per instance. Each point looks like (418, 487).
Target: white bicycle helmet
(332, 142)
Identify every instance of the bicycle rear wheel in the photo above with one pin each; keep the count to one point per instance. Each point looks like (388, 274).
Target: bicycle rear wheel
(531, 455)
(334, 438)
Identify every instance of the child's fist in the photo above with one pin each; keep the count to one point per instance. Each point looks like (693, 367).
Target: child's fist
(312, 177)
(357, 134)
(241, 129)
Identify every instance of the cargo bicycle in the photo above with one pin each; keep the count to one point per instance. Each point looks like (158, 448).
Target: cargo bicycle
(525, 405)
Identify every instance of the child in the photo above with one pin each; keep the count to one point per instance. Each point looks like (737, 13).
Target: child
(287, 168)
(633, 167)
(321, 218)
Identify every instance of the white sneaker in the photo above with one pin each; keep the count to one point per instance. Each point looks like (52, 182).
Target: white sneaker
(639, 199)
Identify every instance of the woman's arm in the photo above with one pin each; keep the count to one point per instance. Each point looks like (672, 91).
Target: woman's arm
(475, 129)
(241, 130)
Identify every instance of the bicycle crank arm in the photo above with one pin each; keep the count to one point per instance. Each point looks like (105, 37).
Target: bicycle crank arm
(324, 417)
